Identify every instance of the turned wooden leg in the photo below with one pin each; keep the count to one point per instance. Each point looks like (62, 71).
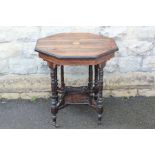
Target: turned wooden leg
(56, 82)
(96, 67)
(62, 85)
(54, 102)
(100, 97)
(90, 83)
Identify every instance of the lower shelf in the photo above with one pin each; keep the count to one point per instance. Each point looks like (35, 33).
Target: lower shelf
(76, 98)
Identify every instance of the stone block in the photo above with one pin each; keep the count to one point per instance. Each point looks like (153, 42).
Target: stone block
(28, 96)
(4, 67)
(80, 70)
(76, 76)
(146, 33)
(9, 50)
(116, 32)
(137, 47)
(24, 83)
(42, 67)
(28, 50)
(130, 64)
(22, 66)
(120, 93)
(31, 95)
(19, 33)
(112, 65)
(76, 81)
(146, 92)
(148, 63)
(123, 50)
(124, 93)
(10, 96)
(130, 80)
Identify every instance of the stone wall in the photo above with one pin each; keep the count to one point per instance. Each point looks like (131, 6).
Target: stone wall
(130, 73)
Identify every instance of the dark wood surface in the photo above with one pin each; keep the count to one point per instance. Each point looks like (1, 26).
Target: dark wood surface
(76, 46)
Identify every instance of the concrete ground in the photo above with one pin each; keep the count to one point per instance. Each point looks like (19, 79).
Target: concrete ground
(119, 113)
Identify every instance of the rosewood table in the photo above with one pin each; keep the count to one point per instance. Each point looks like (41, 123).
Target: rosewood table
(76, 49)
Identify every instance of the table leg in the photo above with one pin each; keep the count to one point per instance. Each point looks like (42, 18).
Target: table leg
(96, 67)
(62, 85)
(56, 83)
(54, 86)
(100, 97)
(90, 83)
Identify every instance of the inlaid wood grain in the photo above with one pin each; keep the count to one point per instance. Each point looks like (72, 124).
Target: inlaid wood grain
(76, 45)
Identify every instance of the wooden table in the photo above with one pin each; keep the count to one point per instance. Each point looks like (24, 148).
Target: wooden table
(76, 49)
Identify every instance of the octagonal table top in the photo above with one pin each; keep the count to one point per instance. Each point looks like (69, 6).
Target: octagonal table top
(76, 45)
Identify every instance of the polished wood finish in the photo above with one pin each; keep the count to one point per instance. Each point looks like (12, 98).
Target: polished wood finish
(76, 49)
(96, 81)
(76, 45)
(75, 62)
(54, 101)
(100, 89)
